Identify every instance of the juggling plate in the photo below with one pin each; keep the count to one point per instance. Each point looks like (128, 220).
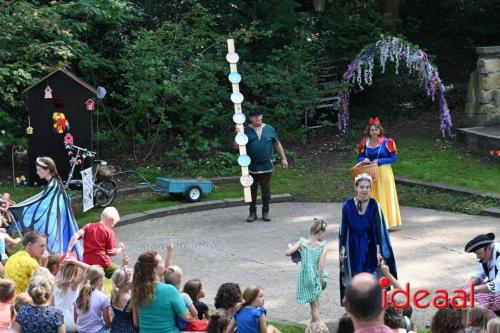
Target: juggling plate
(241, 139)
(246, 181)
(234, 78)
(237, 98)
(239, 118)
(244, 160)
(232, 58)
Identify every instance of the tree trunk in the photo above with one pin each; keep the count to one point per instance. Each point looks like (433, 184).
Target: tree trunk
(390, 7)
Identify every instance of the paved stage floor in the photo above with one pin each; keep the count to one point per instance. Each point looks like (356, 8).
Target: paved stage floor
(218, 246)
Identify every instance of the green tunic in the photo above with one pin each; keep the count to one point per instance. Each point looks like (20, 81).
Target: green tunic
(308, 281)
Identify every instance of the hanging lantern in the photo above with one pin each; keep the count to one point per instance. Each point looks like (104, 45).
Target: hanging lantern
(29, 129)
(90, 104)
(48, 93)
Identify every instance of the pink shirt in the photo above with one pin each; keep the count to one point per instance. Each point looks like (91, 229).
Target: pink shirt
(375, 329)
(5, 316)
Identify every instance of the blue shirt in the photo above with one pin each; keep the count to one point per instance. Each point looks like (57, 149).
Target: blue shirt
(247, 319)
(261, 149)
(159, 316)
(40, 319)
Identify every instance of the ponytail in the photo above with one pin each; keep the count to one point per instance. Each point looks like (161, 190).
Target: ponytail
(92, 275)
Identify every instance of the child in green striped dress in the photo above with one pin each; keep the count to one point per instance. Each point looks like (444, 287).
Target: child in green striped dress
(312, 277)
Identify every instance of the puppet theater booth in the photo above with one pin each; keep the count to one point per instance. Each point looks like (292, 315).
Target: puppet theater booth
(60, 107)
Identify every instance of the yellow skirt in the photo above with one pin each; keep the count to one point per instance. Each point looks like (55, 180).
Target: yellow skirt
(384, 191)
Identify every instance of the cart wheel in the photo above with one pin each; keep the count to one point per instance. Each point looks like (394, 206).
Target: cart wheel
(193, 193)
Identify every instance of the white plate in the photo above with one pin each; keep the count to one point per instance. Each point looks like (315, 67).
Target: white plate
(234, 78)
(232, 58)
(237, 98)
(244, 160)
(239, 118)
(246, 181)
(241, 139)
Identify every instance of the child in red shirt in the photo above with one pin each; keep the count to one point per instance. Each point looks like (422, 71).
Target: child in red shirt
(99, 242)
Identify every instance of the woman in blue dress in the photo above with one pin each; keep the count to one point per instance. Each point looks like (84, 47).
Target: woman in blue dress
(363, 237)
(48, 212)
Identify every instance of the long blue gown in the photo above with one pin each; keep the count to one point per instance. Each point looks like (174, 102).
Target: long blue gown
(49, 212)
(360, 235)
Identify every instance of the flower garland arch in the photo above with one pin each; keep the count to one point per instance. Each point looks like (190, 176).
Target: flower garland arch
(389, 48)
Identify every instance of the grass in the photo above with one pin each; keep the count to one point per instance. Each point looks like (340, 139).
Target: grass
(436, 161)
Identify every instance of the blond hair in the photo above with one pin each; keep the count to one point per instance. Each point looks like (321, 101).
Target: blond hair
(44, 274)
(173, 275)
(110, 213)
(92, 276)
(22, 299)
(68, 273)
(317, 327)
(120, 278)
(40, 289)
(493, 325)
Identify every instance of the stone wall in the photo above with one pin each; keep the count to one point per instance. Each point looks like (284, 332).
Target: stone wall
(482, 105)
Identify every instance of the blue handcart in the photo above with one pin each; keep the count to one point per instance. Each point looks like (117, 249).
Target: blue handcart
(191, 189)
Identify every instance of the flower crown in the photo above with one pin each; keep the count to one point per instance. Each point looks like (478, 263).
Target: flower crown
(363, 176)
(41, 163)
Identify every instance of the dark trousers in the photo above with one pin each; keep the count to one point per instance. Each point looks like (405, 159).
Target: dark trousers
(264, 180)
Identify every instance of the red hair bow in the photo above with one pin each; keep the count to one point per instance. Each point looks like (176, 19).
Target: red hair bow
(374, 121)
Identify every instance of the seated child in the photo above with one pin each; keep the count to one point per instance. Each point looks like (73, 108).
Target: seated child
(477, 319)
(194, 289)
(5, 242)
(173, 275)
(5, 216)
(218, 322)
(7, 296)
(54, 264)
(250, 316)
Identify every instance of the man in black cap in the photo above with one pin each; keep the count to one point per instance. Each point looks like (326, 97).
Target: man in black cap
(486, 279)
(262, 141)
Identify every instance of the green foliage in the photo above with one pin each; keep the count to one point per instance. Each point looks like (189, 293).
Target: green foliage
(164, 68)
(347, 26)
